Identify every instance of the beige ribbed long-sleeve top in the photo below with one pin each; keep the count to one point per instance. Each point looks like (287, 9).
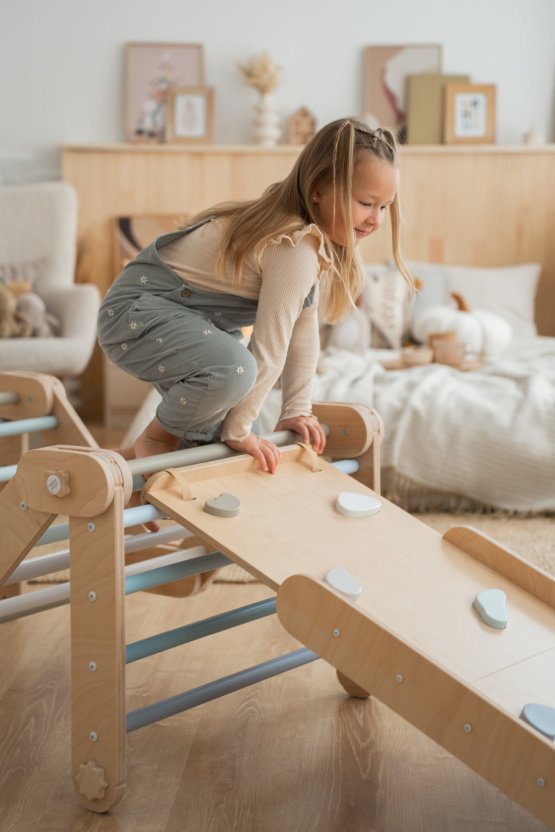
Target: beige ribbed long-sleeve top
(285, 338)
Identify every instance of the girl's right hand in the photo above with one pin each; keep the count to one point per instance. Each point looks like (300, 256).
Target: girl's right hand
(265, 452)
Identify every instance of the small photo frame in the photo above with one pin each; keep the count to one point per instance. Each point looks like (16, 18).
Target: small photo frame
(470, 114)
(190, 114)
(151, 71)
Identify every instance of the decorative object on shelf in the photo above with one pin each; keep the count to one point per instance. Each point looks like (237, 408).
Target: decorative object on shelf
(533, 137)
(301, 126)
(190, 115)
(151, 70)
(470, 114)
(386, 69)
(425, 106)
(262, 73)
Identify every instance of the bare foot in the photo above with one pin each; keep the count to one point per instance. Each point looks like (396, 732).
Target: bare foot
(153, 440)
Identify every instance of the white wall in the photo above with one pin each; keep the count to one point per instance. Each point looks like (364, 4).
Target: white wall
(61, 61)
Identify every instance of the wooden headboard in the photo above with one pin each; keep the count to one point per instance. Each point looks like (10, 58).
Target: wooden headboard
(482, 206)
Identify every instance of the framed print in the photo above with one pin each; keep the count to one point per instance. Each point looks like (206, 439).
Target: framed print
(470, 114)
(386, 69)
(426, 106)
(151, 70)
(190, 114)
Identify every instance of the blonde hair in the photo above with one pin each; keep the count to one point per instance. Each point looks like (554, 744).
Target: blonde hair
(327, 160)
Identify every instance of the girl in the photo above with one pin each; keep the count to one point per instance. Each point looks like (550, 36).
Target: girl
(174, 315)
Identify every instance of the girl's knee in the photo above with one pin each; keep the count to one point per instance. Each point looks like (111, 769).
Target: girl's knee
(238, 378)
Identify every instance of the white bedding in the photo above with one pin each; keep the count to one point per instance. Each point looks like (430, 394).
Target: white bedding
(456, 440)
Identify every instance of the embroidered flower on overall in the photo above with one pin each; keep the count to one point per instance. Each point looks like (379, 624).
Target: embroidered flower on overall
(239, 370)
(183, 400)
(159, 339)
(110, 312)
(161, 368)
(125, 347)
(206, 331)
(133, 325)
(143, 279)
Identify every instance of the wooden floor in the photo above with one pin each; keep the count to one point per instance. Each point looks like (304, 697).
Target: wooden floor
(292, 753)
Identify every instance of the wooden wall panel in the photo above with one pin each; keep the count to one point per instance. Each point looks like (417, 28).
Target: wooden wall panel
(484, 206)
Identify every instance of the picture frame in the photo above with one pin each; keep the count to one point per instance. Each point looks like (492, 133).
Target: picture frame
(385, 74)
(151, 70)
(470, 113)
(190, 116)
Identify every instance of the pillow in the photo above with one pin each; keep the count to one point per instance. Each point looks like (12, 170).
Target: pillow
(385, 300)
(509, 291)
(432, 289)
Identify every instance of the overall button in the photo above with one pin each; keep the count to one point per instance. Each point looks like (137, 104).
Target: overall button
(185, 293)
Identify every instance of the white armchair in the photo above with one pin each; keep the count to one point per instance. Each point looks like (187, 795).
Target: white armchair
(38, 235)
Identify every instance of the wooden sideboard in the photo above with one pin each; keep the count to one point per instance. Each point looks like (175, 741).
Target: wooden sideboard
(483, 206)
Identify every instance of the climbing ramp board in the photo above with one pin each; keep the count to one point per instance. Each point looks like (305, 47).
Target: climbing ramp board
(412, 638)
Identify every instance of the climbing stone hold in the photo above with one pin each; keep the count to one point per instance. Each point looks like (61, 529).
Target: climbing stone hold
(353, 504)
(540, 717)
(490, 606)
(226, 505)
(339, 579)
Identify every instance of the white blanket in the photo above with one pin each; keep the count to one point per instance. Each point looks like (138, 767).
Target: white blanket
(456, 440)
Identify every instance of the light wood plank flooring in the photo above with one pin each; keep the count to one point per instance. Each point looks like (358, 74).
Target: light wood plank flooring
(293, 754)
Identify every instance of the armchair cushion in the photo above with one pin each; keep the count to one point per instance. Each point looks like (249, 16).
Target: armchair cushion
(38, 225)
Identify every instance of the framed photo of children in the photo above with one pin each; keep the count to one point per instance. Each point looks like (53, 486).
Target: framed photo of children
(151, 71)
(469, 114)
(190, 114)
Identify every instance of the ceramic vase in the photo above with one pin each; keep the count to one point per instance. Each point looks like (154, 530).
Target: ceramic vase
(266, 122)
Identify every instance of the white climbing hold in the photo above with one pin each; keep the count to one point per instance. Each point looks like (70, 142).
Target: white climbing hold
(490, 606)
(339, 579)
(353, 504)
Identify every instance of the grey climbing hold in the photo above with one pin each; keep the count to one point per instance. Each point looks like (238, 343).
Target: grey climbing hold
(226, 505)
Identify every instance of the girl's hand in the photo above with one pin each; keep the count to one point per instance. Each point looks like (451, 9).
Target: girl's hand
(309, 429)
(265, 452)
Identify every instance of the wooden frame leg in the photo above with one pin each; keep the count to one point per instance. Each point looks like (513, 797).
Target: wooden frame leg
(98, 713)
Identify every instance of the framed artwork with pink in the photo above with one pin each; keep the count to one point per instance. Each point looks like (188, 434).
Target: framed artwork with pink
(151, 71)
(386, 70)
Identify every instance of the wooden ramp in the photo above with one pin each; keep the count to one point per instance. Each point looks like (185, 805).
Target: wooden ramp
(412, 638)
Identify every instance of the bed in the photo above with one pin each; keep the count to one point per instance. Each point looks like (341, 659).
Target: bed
(482, 439)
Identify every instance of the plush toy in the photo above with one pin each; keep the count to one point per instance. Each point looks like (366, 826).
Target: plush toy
(11, 324)
(480, 331)
(32, 310)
